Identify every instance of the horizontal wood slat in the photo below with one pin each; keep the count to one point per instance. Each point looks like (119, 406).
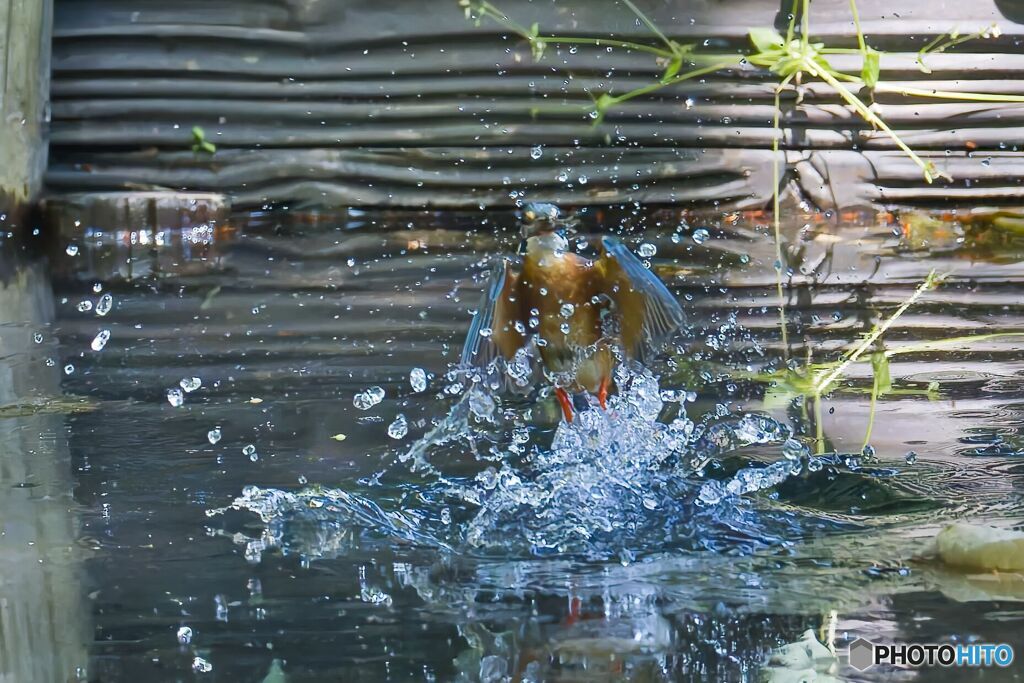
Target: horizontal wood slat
(361, 102)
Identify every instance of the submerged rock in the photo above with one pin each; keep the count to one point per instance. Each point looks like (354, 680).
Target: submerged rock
(978, 547)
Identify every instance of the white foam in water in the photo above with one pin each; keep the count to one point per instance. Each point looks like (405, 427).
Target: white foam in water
(611, 484)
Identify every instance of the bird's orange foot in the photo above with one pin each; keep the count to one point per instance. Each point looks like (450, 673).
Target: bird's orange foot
(563, 400)
(602, 394)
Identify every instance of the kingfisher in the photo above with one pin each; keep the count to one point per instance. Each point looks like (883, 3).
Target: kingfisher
(582, 314)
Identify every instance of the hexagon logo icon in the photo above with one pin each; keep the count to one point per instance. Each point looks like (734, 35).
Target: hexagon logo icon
(862, 654)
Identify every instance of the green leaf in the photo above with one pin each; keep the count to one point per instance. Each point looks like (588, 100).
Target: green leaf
(200, 143)
(880, 366)
(766, 39)
(672, 69)
(870, 70)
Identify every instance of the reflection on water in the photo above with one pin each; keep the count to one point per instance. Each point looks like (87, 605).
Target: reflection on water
(654, 548)
(44, 629)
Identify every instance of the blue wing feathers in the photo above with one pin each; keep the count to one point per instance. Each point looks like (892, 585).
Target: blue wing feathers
(478, 350)
(663, 316)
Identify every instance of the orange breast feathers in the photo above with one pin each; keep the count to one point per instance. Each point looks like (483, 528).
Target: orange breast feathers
(559, 289)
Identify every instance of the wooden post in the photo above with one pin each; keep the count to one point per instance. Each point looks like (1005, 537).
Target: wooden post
(25, 39)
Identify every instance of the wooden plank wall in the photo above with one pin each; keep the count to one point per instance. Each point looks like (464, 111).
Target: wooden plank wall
(404, 103)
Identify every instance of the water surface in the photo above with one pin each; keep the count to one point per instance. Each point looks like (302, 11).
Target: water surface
(366, 568)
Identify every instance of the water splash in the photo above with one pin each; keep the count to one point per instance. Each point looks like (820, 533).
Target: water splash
(612, 484)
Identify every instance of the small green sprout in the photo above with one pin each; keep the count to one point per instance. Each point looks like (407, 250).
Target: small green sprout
(199, 142)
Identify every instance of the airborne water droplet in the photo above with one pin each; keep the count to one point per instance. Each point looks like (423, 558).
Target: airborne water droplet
(368, 399)
(647, 250)
(175, 397)
(104, 305)
(213, 436)
(84, 306)
(418, 380)
(100, 340)
(190, 384)
(700, 235)
(184, 635)
(399, 428)
(72, 249)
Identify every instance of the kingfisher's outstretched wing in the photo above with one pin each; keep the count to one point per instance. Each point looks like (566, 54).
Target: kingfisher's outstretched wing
(493, 331)
(648, 314)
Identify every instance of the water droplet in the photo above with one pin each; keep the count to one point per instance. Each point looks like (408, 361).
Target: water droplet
(190, 384)
(175, 397)
(374, 595)
(250, 450)
(868, 451)
(184, 635)
(104, 305)
(84, 306)
(793, 449)
(481, 404)
(564, 328)
(536, 152)
(72, 250)
(700, 235)
(418, 380)
(213, 436)
(399, 428)
(647, 250)
(37, 337)
(567, 310)
(911, 457)
(201, 666)
(369, 398)
(69, 369)
(100, 340)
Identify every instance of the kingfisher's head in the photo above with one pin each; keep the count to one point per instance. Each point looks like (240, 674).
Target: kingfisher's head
(539, 218)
